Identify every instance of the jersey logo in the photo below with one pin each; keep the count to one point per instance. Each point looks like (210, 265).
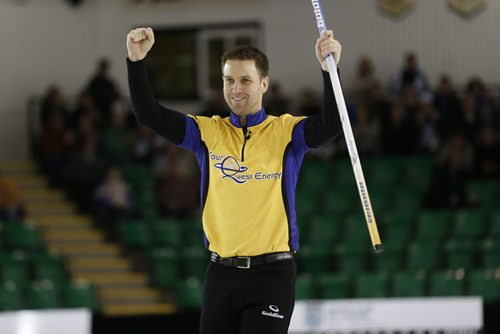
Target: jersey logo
(231, 168)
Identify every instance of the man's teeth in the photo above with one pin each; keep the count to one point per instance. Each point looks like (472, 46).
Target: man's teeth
(238, 98)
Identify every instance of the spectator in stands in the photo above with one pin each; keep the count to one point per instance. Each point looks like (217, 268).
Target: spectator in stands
(11, 200)
(400, 137)
(215, 105)
(143, 145)
(409, 75)
(363, 81)
(275, 101)
(448, 105)
(103, 89)
(309, 103)
(455, 166)
(113, 197)
(178, 183)
(54, 143)
(117, 139)
(366, 129)
(487, 163)
(52, 102)
(428, 123)
(83, 172)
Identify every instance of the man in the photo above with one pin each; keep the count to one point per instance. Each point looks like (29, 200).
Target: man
(249, 163)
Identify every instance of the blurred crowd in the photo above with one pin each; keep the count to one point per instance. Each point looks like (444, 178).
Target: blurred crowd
(84, 146)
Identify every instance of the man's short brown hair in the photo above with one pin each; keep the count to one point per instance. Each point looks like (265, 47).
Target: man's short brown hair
(248, 53)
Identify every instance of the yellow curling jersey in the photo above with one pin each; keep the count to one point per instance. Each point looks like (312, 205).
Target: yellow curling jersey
(248, 180)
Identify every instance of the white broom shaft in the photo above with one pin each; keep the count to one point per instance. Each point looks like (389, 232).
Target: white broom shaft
(349, 137)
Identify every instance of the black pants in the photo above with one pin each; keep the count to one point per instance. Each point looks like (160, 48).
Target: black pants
(258, 300)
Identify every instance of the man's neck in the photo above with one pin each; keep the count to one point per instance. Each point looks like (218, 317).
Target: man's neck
(243, 121)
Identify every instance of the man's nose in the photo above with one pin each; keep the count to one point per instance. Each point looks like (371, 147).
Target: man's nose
(237, 87)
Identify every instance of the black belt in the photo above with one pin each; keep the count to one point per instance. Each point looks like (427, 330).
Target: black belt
(245, 262)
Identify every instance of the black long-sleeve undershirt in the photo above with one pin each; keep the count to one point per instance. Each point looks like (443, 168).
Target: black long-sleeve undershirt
(171, 124)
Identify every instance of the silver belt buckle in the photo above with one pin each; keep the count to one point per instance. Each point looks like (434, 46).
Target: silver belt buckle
(247, 259)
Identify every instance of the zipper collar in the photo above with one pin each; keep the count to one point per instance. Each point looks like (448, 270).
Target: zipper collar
(252, 119)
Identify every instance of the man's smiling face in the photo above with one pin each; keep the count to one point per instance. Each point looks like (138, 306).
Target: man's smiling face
(243, 86)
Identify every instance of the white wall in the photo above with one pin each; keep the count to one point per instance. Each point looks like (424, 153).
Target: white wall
(45, 42)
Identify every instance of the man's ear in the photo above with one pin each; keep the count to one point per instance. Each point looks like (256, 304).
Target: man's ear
(265, 84)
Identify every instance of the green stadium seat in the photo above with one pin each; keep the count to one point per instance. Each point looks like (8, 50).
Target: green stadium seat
(138, 176)
(433, 225)
(343, 174)
(401, 233)
(384, 172)
(333, 285)
(423, 255)
(80, 294)
(189, 292)
(43, 295)
(485, 191)
(315, 175)
(392, 257)
(381, 198)
(350, 256)
(195, 260)
(165, 267)
(459, 253)
(469, 223)
(371, 285)
(11, 296)
(192, 231)
(397, 217)
(19, 235)
(337, 201)
(304, 287)
(49, 266)
(146, 203)
(306, 205)
(447, 283)
(313, 259)
(409, 284)
(490, 250)
(355, 229)
(484, 283)
(407, 198)
(14, 267)
(135, 234)
(167, 233)
(323, 232)
(417, 171)
(495, 224)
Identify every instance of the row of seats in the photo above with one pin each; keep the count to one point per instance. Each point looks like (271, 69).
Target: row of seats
(382, 284)
(404, 225)
(46, 294)
(31, 277)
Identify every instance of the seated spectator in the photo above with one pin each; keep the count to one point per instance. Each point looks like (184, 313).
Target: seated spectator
(85, 168)
(54, 143)
(117, 139)
(114, 198)
(11, 200)
(366, 129)
(487, 157)
(455, 163)
(178, 183)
